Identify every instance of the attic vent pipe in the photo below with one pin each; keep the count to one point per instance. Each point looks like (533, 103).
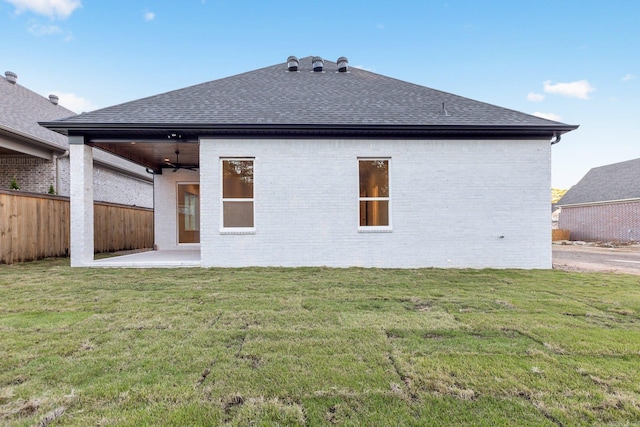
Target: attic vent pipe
(11, 77)
(318, 64)
(292, 63)
(444, 110)
(54, 99)
(343, 64)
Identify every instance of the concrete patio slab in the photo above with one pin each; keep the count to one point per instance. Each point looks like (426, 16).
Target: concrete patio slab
(152, 259)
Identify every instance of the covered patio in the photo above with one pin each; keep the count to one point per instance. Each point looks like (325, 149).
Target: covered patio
(172, 250)
(152, 259)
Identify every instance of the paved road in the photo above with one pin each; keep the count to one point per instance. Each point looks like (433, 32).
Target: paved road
(589, 258)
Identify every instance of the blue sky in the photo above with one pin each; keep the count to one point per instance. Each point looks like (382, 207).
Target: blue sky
(575, 61)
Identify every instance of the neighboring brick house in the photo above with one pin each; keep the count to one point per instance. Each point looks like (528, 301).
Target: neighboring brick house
(37, 158)
(313, 163)
(604, 206)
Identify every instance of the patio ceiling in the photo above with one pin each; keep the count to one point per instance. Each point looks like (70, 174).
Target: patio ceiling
(152, 154)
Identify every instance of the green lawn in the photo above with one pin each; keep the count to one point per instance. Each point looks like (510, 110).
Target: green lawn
(317, 346)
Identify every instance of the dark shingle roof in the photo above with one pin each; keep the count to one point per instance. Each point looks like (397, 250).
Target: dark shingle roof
(21, 109)
(618, 181)
(275, 96)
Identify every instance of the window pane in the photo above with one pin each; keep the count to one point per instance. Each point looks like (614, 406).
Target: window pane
(374, 213)
(237, 179)
(374, 178)
(188, 213)
(238, 214)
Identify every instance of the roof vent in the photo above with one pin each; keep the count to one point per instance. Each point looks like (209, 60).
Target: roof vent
(292, 63)
(11, 77)
(54, 99)
(318, 64)
(343, 64)
(444, 110)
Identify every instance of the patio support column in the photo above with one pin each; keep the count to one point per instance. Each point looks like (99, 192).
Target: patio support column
(81, 182)
(209, 195)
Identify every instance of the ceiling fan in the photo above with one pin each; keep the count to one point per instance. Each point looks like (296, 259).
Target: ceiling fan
(177, 165)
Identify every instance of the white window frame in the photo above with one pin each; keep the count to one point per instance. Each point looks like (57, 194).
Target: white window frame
(375, 228)
(199, 229)
(236, 230)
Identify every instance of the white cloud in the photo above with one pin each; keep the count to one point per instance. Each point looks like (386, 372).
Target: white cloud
(51, 8)
(548, 116)
(43, 30)
(149, 16)
(535, 97)
(579, 89)
(74, 102)
(628, 77)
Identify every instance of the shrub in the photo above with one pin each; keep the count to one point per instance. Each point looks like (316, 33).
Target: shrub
(13, 185)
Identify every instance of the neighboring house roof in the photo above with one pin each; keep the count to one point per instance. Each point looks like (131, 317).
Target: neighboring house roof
(617, 181)
(20, 111)
(274, 98)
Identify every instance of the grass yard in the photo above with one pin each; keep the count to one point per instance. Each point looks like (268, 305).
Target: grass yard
(317, 346)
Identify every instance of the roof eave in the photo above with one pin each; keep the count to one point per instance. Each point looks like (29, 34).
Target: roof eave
(271, 129)
(32, 139)
(596, 203)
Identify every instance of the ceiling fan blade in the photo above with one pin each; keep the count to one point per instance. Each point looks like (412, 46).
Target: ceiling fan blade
(177, 165)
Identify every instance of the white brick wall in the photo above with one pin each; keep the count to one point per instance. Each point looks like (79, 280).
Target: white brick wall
(114, 187)
(81, 239)
(64, 177)
(453, 204)
(110, 186)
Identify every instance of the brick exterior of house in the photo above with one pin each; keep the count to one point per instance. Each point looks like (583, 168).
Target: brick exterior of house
(604, 222)
(306, 130)
(32, 174)
(37, 157)
(36, 175)
(447, 214)
(604, 206)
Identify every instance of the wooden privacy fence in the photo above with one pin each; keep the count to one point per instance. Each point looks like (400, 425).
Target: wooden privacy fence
(32, 226)
(119, 227)
(35, 226)
(557, 234)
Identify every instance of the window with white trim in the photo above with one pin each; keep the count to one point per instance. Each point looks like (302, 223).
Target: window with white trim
(237, 194)
(374, 193)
